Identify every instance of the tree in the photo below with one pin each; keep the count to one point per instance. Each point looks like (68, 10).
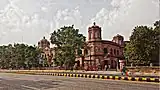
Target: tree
(156, 51)
(67, 39)
(32, 56)
(143, 42)
(19, 56)
(3, 61)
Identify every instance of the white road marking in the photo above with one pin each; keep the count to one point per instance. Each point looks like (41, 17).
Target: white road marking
(30, 87)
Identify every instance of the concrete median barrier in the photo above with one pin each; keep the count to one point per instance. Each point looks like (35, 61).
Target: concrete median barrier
(68, 73)
(148, 79)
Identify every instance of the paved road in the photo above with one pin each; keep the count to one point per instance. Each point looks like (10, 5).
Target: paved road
(10, 81)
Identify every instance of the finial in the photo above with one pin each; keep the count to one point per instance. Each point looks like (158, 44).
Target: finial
(44, 37)
(94, 23)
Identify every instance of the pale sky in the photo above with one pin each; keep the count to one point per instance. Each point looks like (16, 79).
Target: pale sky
(30, 20)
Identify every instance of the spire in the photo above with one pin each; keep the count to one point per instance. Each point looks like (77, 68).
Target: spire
(94, 23)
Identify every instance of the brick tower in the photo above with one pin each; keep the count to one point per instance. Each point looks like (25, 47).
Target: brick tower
(94, 33)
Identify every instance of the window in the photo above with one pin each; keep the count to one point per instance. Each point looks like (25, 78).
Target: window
(78, 63)
(114, 51)
(105, 51)
(117, 52)
(90, 35)
(111, 51)
(96, 34)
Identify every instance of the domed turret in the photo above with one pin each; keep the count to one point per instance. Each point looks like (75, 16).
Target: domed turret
(44, 43)
(118, 39)
(94, 32)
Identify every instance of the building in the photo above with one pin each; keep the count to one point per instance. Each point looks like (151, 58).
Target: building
(47, 52)
(98, 52)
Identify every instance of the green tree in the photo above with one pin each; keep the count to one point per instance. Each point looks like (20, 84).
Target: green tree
(3, 61)
(19, 56)
(156, 51)
(143, 42)
(32, 55)
(68, 40)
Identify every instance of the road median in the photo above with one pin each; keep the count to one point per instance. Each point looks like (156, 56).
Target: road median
(81, 74)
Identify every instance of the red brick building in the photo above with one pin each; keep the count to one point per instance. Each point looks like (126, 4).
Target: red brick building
(44, 44)
(101, 52)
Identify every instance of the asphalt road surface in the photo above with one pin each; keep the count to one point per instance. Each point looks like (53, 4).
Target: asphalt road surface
(10, 81)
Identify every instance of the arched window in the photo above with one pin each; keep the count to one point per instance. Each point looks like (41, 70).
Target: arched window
(97, 34)
(117, 52)
(78, 63)
(111, 51)
(90, 34)
(105, 51)
(114, 51)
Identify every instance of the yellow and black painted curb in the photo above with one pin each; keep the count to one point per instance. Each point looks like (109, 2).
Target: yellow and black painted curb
(98, 76)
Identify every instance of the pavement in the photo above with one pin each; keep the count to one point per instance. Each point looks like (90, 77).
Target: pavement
(12, 81)
(102, 72)
(136, 74)
(119, 73)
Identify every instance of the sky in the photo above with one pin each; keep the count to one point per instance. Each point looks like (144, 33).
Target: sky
(28, 21)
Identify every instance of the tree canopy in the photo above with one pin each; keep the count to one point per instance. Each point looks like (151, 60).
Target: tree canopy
(68, 40)
(19, 56)
(143, 47)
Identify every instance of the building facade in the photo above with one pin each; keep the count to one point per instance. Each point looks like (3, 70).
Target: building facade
(47, 52)
(98, 52)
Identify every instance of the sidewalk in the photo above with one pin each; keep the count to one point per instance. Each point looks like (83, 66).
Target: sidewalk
(104, 72)
(119, 73)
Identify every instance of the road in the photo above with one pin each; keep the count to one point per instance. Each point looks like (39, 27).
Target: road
(10, 81)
